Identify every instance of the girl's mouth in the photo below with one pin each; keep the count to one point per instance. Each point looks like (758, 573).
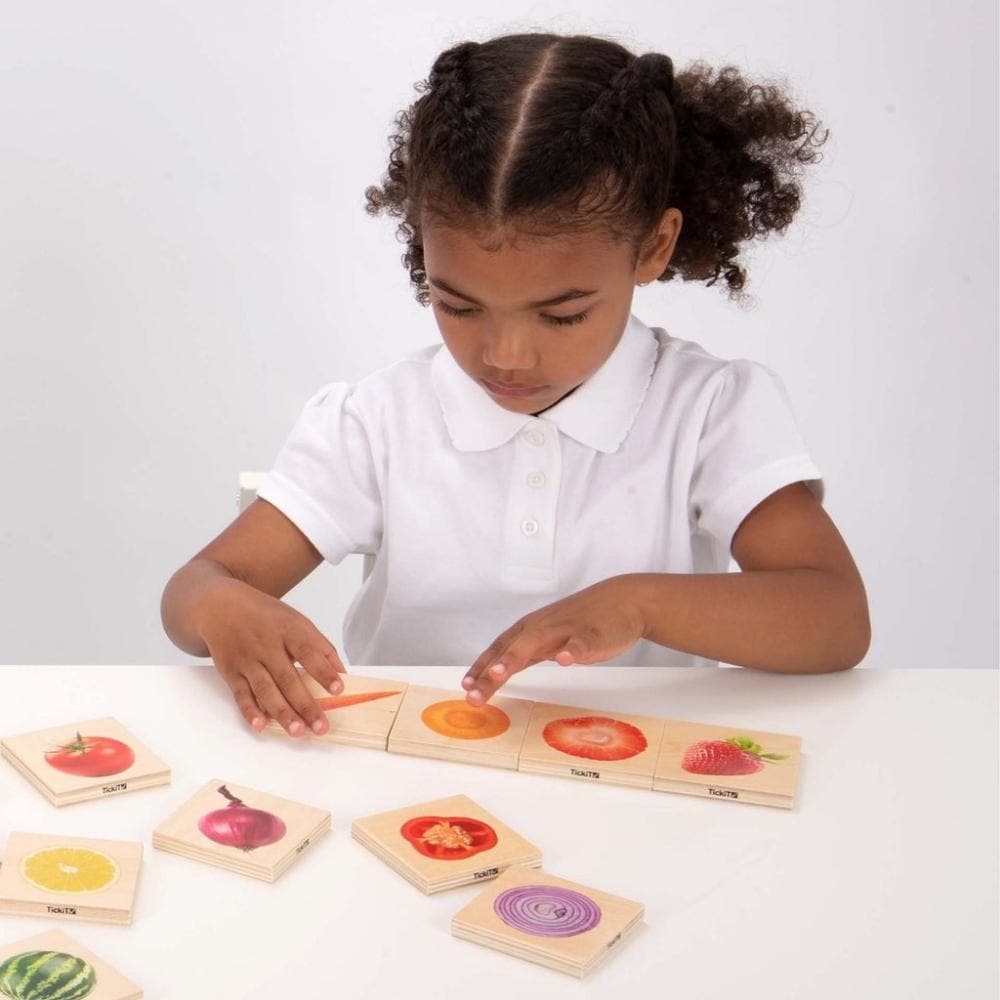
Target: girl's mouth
(516, 389)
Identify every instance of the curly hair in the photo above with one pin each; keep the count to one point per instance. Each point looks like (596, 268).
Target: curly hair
(563, 133)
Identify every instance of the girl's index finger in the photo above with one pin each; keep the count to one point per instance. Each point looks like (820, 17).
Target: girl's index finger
(528, 647)
(489, 657)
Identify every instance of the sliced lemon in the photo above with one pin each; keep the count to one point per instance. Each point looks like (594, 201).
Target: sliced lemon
(70, 870)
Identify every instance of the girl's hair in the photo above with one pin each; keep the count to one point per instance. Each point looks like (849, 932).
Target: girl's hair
(554, 134)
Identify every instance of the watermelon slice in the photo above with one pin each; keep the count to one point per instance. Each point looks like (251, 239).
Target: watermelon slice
(46, 975)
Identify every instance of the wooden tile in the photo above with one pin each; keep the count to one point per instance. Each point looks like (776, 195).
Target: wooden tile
(84, 760)
(548, 920)
(69, 878)
(241, 829)
(591, 745)
(728, 763)
(444, 843)
(361, 716)
(434, 722)
(60, 959)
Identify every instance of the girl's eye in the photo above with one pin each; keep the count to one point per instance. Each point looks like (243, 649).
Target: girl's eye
(452, 311)
(553, 320)
(567, 320)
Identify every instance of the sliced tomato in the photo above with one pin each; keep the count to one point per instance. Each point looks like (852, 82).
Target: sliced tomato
(448, 838)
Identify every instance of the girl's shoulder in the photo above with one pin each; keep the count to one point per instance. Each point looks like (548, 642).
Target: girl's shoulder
(687, 358)
(693, 386)
(686, 362)
(395, 382)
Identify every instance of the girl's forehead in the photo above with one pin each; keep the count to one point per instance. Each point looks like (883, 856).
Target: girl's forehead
(511, 241)
(524, 270)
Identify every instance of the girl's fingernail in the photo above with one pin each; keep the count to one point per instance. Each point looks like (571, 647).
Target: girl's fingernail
(295, 728)
(475, 697)
(497, 670)
(468, 683)
(317, 726)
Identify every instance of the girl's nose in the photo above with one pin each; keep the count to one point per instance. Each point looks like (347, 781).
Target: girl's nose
(509, 347)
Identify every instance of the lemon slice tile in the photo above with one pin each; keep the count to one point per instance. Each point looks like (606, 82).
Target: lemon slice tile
(70, 870)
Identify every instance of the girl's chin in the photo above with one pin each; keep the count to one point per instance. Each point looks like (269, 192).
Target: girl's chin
(535, 407)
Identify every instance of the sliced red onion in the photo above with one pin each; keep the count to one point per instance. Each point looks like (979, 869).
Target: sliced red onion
(547, 911)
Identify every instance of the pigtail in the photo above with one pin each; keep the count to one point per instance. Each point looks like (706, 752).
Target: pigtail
(740, 147)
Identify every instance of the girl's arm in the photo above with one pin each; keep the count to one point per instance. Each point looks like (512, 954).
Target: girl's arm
(224, 603)
(798, 606)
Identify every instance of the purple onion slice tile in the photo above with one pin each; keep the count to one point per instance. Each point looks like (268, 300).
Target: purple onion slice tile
(547, 911)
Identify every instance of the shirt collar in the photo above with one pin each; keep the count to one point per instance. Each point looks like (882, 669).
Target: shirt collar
(599, 414)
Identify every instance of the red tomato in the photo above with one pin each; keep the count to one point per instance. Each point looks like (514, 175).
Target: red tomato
(449, 838)
(92, 756)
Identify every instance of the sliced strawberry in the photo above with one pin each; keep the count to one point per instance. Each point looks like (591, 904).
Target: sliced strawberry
(595, 737)
(736, 755)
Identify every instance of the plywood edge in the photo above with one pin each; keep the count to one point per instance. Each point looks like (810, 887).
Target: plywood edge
(591, 774)
(723, 792)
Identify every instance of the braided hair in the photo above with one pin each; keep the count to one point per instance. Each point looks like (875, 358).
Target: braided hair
(562, 133)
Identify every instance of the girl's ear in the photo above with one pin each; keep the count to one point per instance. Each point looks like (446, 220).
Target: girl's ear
(659, 246)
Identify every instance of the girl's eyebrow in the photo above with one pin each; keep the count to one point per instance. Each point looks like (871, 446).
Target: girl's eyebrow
(572, 293)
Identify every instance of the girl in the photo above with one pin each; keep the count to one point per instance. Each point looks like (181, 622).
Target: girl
(558, 481)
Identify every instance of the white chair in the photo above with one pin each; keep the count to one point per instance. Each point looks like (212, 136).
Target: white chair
(249, 484)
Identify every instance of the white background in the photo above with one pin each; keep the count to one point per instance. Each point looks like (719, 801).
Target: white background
(185, 258)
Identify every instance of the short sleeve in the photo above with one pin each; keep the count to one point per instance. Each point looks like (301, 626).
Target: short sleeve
(750, 446)
(324, 477)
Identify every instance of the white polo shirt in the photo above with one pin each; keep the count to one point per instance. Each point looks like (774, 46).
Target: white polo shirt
(472, 516)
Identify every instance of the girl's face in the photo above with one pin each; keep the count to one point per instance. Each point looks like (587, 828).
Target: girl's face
(533, 320)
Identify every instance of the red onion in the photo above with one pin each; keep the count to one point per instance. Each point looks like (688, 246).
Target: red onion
(237, 825)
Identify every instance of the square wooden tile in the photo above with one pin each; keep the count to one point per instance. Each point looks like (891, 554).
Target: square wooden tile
(444, 843)
(242, 829)
(591, 745)
(433, 722)
(361, 716)
(728, 763)
(541, 918)
(84, 760)
(71, 970)
(69, 878)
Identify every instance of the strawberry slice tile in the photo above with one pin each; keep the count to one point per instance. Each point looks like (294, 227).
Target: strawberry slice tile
(595, 737)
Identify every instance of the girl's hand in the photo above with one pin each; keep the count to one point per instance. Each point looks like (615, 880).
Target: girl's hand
(255, 641)
(587, 627)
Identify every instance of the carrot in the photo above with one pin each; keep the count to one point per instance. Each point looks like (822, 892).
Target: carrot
(343, 700)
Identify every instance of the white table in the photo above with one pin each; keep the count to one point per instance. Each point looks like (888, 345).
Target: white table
(882, 882)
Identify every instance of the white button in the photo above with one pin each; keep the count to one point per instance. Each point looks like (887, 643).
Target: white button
(529, 527)
(536, 479)
(532, 436)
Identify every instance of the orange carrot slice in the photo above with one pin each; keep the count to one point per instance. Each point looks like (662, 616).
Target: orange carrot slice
(461, 721)
(343, 700)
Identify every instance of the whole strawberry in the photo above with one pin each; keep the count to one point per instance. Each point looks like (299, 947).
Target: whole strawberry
(737, 755)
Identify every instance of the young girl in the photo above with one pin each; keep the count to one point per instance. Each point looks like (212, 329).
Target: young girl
(558, 481)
